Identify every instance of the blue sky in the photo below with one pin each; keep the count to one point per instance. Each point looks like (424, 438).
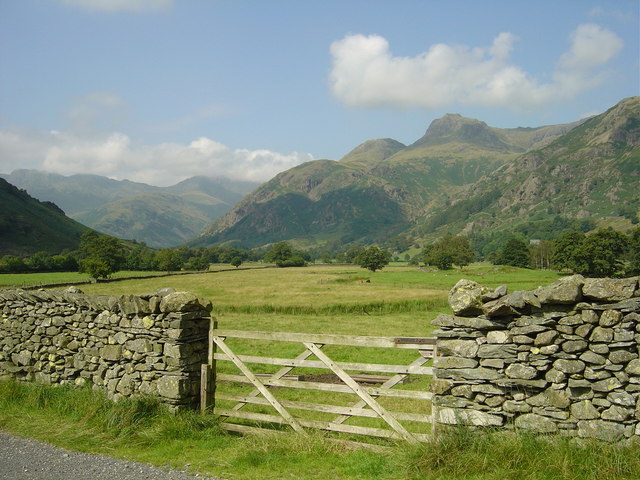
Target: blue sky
(160, 90)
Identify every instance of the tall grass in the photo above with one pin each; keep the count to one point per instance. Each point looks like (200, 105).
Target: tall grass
(141, 429)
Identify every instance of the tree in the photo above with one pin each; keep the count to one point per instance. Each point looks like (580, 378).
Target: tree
(284, 256)
(599, 254)
(236, 261)
(169, 259)
(634, 252)
(101, 255)
(565, 250)
(373, 258)
(602, 253)
(541, 255)
(515, 253)
(448, 251)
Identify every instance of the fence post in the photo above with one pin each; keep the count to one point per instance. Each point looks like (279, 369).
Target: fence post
(208, 373)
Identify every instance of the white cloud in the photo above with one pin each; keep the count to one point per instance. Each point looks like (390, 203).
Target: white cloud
(366, 74)
(121, 5)
(116, 156)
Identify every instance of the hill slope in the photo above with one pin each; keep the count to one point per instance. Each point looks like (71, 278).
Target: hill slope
(133, 210)
(28, 225)
(461, 176)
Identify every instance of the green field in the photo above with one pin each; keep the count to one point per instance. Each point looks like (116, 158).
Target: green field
(398, 301)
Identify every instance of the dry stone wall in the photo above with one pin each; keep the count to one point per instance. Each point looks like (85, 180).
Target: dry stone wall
(559, 359)
(150, 344)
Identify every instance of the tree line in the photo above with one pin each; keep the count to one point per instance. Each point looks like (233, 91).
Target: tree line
(598, 254)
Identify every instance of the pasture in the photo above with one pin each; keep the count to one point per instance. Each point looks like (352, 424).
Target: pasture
(334, 299)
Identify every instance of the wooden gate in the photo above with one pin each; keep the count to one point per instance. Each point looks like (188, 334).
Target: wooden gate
(267, 404)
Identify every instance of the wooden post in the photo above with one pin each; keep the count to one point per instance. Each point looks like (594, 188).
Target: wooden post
(208, 373)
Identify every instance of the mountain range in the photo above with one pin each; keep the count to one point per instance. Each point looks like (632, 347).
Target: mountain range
(158, 216)
(461, 176)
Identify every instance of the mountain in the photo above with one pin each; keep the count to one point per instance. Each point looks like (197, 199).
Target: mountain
(28, 225)
(460, 176)
(158, 216)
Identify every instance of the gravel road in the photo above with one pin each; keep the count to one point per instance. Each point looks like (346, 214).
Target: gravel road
(26, 459)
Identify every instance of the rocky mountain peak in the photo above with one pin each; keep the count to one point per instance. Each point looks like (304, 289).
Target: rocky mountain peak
(456, 128)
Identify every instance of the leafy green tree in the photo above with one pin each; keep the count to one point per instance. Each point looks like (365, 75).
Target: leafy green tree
(634, 252)
(197, 263)
(279, 253)
(565, 250)
(373, 258)
(602, 253)
(101, 255)
(169, 259)
(283, 255)
(13, 264)
(448, 251)
(515, 253)
(236, 261)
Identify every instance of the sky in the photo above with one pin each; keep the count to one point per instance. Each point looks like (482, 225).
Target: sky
(157, 91)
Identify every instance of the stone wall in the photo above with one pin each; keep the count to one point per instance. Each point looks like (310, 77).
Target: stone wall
(558, 359)
(150, 344)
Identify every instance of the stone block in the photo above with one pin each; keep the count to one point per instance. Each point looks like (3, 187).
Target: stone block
(458, 348)
(601, 430)
(535, 423)
(173, 386)
(609, 289)
(455, 362)
(467, 297)
(569, 366)
(467, 416)
(502, 351)
(518, 370)
(584, 410)
(111, 352)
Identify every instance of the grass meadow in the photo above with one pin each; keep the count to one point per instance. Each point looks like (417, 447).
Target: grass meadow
(340, 299)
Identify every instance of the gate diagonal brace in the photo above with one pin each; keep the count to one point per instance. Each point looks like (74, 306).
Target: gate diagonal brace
(368, 399)
(392, 382)
(276, 376)
(259, 386)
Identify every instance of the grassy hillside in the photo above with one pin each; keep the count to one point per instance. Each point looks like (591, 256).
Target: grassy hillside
(28, 225)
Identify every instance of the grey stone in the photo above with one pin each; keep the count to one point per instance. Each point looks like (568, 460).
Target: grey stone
(555, 376)
(513, 406)
(111, 352)
(621, 398)
(479, 373)
(466, 297)
(601, 334)
(184, 302)
(609, 289)
(453, 416)
(584, 410)
(573, 346)
(601, 430)
(546, 338)
(564, 291)
(172, 386)
(593, 358)
(440, 386)
(610, 318)
(606, 385)
(617, 413)
(622, 356)
(498, 337)
(584, 330)
(505, 351)
(550, 398)
(458, 348)
(477, 323)
(535, 423)
(633, 368)
(569, 366)
(517, 370)
(455, 362)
